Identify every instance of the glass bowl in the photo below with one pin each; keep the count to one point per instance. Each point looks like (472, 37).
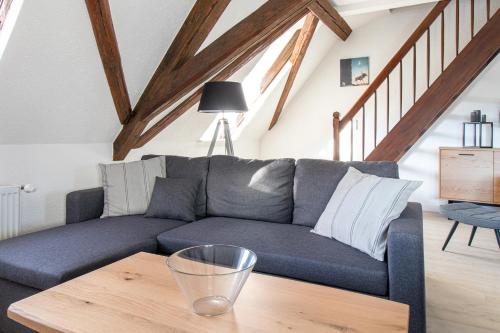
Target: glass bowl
(211, 276)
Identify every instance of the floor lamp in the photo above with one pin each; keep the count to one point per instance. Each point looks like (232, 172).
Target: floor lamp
(222, 96)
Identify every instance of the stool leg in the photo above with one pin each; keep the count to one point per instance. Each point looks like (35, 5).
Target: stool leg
(473, 232)
(452, 231)
(497, 233)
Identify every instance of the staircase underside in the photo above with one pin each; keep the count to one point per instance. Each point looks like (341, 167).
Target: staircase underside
(478, 53)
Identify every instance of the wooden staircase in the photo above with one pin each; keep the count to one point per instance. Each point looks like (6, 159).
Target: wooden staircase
(425, 109)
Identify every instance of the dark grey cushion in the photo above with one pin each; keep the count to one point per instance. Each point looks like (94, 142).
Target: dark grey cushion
(286, 250)
(193, 168)
(251, 189)
(84, 205)
(174, 198)
(316, 180)
(46, 258)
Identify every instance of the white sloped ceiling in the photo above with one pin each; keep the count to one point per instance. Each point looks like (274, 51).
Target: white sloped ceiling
(52, 85)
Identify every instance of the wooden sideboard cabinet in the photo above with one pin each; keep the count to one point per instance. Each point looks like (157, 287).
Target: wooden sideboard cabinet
(470, 174)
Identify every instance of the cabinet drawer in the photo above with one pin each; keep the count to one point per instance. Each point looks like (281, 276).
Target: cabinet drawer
(467, 175)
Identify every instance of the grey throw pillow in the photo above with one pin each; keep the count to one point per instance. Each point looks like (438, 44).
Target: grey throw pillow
(192, 168)
(174, 198)
(128, 186)
(361, 208)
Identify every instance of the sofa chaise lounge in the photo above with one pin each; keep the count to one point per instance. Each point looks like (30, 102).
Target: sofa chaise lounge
(267, 206)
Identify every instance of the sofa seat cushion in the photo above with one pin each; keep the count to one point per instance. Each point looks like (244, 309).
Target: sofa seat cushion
(46, 258)
(287, 250)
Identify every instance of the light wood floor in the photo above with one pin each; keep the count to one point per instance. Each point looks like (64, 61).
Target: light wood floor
(463, 283)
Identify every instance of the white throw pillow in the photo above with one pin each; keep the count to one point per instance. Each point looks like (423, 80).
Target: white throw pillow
(128, 186)
(361, 208)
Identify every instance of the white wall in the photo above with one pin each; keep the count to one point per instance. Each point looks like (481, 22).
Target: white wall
(54, 169)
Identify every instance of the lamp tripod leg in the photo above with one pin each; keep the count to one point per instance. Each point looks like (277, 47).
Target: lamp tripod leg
(214, 139)
(227, 137)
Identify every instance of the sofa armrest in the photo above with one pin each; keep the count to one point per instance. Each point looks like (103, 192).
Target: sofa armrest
(405, 259)
(84, 205)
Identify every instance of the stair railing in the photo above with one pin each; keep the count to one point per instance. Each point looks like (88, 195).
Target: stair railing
(382, 78)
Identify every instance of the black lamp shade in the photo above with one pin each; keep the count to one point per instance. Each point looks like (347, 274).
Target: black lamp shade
(222, 96)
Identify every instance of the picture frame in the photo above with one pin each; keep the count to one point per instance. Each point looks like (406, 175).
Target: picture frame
(355, 71)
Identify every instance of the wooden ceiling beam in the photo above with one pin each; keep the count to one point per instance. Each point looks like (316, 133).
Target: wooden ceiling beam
(279, 63)
(324, 10)
(297, 56)
(194, 98)
(270, 16)
(195, 29)
(104, 32)
(168, 89)
(198, 24)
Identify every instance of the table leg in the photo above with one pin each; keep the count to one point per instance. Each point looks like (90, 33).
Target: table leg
(452, 231)
(497, 233)
(473, 232)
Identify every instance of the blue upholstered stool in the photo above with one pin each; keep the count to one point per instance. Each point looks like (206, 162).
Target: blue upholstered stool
(475, 215)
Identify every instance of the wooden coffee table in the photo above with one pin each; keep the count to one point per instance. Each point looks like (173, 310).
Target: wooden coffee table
(138, 294)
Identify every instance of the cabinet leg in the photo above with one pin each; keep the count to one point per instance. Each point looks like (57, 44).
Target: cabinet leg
(452, 231)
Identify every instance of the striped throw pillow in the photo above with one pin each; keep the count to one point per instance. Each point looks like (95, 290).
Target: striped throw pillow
(128, 186)
(361, 208)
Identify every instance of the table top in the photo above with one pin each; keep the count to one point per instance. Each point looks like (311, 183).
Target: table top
(139, 294)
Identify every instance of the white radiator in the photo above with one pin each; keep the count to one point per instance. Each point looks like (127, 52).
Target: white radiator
(9, 211)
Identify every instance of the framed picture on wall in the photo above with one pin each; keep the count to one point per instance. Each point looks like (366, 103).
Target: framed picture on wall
(354, 72)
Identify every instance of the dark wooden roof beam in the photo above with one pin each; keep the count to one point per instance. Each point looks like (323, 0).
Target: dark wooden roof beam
(325, 11)
(194, 98)
(270, 16)
(195, 29)
(296, 58)
(169, 88)
(279, 63)
(104, 32)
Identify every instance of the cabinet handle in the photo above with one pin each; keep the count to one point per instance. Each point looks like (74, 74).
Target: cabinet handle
(463, 154)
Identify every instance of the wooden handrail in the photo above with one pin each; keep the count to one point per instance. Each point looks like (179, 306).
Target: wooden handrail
(407, 46)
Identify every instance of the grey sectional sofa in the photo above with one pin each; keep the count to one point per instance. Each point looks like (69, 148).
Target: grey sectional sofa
(267, 206)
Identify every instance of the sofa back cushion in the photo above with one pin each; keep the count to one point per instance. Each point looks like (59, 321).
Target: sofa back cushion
(251, 189)
(316, 180)
(195, 168)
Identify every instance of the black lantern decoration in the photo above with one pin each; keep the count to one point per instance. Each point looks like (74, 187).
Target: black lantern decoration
(479, 127)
